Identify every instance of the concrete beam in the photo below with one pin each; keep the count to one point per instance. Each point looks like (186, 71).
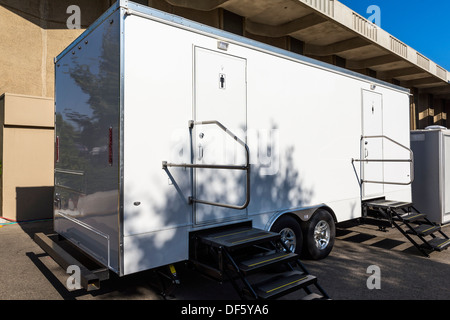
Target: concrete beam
(372, 62)
(437, 91)
(335, 48)
(400, 73)
(204, 5)
(284, 29)
(424, 81)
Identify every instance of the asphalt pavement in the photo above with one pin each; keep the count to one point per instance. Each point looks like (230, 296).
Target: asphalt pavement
(365, 264)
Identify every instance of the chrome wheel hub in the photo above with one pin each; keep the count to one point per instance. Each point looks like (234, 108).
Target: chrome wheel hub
(322, 234)
(289, 239)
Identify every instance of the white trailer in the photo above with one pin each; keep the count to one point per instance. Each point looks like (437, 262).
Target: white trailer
(166, 128)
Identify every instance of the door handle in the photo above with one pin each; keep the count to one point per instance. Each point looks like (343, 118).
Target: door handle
(57, 201)
(200, 152)
(366, 153)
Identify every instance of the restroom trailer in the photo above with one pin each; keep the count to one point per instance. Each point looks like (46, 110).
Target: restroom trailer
(175, 139)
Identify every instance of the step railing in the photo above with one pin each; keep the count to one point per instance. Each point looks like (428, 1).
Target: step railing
(410, 161)
(245, 167)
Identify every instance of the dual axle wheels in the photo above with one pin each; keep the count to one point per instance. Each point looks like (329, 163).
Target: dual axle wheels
(313, 238)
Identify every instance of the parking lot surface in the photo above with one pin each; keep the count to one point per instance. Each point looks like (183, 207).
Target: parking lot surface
(360, 254)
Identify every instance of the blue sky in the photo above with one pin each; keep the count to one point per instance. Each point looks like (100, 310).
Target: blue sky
(423, 25)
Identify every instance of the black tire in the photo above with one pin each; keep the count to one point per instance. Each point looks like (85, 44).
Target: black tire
(319, 234)
(291, 232)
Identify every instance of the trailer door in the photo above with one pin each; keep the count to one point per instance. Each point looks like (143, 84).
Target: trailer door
(372, 148)
(220, 94)
(446, 177)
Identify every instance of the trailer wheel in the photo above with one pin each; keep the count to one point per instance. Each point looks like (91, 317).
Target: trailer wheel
(290, 231)
(319, 233)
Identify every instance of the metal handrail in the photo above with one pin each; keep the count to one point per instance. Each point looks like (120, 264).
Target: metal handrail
(245, 167)
(410, 160)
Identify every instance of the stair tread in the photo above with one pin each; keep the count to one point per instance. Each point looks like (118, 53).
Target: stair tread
(410, 215)
(424, 229)
(413, 216)
(439, 244)
(388, 204)
(239, 237)
(283, 283)
(265, 260)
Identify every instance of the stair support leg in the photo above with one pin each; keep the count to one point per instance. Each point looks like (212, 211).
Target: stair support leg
(241, 276)
(302, 266)
(411, 239)
(429, 222)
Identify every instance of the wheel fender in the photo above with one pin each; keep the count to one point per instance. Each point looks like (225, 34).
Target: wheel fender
(302, 214)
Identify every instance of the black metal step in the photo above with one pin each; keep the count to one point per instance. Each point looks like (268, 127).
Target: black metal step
(267, 260)
(388, 204)
(438, 244)
(405, 213)
(282, 284)
(424, 230)
(237, 238)
(411, 217)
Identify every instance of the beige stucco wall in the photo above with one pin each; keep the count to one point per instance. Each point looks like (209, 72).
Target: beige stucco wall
(31, 111)
(32, 34)
(27, 156)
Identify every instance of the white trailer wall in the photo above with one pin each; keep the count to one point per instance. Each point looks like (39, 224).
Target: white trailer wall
(158, 105)
(301, 119)
(303, 129)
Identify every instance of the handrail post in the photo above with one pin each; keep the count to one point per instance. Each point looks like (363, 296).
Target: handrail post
(191, 125)
(410, 160)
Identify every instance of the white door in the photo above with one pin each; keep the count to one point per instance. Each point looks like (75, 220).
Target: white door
(372, 148)
(446, 178)
(220, 93)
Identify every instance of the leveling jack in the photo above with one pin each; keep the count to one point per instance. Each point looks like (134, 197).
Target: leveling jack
(167, 279)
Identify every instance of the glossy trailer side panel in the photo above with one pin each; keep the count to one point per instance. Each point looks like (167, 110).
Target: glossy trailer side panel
(87, 139)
